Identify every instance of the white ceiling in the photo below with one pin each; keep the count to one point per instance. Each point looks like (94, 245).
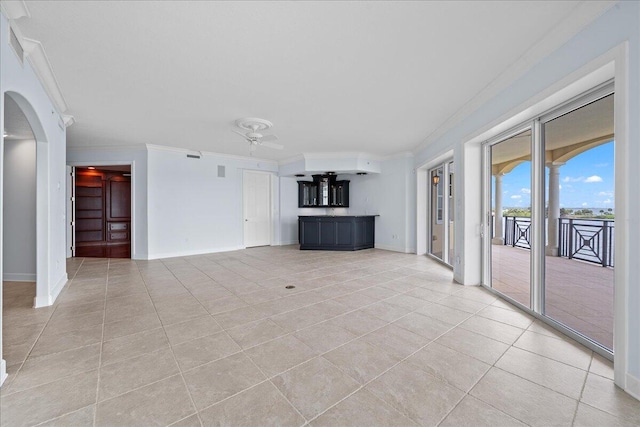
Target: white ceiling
(376, 77)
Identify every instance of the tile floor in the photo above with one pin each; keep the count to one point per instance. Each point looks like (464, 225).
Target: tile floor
(365, 338)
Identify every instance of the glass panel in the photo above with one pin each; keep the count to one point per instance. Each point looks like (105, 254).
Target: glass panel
(324, 191)
(511, 210)
(580, 220)
(451, 214)
(437, 212)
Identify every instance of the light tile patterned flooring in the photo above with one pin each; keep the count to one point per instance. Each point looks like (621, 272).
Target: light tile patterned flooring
(579, 294)
(365, 338)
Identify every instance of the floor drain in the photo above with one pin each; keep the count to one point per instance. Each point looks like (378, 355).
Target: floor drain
(289, 287)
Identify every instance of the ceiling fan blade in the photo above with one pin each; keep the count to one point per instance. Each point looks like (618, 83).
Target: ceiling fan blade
(268, 138)
(271, 145)
(240, 133)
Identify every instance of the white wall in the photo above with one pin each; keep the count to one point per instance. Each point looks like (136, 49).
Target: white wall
(390, 194)
(289, 211)
(593, 45)
(190, 209)
(136, 156)
(20, 82)
(19, 211)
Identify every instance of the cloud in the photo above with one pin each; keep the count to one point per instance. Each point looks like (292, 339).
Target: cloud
(516, 196)
(606, 194)
(590, 179)
(559, 186)
(601, 165)
(526, 191)
(585, 204)
(607, 202)
(569, 179)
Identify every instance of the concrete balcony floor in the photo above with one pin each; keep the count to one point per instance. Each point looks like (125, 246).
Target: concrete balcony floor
(578, 294)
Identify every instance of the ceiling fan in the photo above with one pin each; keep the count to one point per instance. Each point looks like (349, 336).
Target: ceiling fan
(253, 127)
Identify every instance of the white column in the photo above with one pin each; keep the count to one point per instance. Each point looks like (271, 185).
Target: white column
(498, 238)
(554, 208)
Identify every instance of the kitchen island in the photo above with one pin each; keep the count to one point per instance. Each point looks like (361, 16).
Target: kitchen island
(336, 232)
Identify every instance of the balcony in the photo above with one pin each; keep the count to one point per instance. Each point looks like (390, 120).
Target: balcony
(578, 280)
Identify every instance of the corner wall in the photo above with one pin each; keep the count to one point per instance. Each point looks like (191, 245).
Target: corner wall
(390, 194)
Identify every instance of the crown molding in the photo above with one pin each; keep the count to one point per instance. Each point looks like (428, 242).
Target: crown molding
(289, 160)
(68, 120)
(15, 9)
(577, 19)
(134, 147)
(37, 57)
(209, 154)
(402, 154)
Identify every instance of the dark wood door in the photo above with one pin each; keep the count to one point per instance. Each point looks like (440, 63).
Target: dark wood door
(103, 214)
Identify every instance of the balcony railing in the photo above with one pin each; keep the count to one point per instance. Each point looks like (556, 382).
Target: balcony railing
(587, 239)
(590, 240)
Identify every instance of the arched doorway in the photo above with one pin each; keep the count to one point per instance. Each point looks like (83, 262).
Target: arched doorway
(25, 231)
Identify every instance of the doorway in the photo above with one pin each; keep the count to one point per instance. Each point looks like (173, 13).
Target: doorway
(256, 208)
(549, 243)
(24, 204)
(441, 213)
(102, 211)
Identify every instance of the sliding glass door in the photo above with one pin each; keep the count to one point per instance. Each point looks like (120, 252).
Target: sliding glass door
(511, 217)
(441, 215)
(550, 217)
(579, 256)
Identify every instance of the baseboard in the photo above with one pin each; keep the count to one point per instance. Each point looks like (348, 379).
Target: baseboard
(58, 287)
(287, 243)
(401, 249)
(633, 386)
(19, 277)
(3, 371)
(191, 253)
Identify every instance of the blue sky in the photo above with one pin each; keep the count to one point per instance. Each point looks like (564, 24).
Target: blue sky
(586, 181)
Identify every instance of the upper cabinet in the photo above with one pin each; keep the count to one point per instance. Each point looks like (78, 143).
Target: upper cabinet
(325, 191)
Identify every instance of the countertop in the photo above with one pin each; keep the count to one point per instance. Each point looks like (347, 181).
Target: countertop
(336, 216)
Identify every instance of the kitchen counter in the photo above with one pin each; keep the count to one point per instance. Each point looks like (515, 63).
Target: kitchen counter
(336, 232)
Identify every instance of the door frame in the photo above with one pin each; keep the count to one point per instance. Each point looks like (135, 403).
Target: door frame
(271, 204)
(538, 201)
(423, 202)
(446, 220)
(131, 163)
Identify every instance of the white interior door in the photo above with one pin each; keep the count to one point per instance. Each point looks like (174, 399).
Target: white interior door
(257, 209)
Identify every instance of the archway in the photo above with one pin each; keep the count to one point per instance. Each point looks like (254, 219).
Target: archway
(21, 123)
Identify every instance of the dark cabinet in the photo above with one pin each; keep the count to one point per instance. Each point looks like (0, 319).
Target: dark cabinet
(325, 191)
(336, 233)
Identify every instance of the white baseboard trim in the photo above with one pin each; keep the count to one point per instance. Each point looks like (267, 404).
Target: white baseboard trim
(3, 371)
(50, 298)
(58, 287)
(19, 277)
(195, 252)
(393, 248)
(42, 301)
(287, 243)
(633, 386)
